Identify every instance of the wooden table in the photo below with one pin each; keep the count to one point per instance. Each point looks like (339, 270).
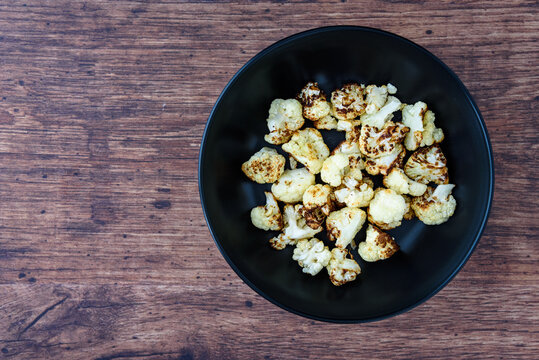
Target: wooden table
(104, 251)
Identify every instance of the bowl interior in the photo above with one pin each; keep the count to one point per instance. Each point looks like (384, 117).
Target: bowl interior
(429, 256)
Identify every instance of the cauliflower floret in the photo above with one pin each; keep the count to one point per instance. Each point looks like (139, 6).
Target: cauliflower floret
(376, 97)
(431, 134)
(391, 89)
(284, 118)
(410, 213)
(295, 228)
(293, 162)
(383, 164)
(435, 206)
(377, 246)
(347, 102)
(318, 202)
(402, 184)
(347, 147)
(387, 209)
(267, 217)
(354, 193)
(379, 118)
(315, 106)
(426, 165)
(307, 147)
(265, 166)
(412, 116)
(343, 225)
(328, 122)
(341, 269)
(375, 143)
(334, 168)
(292, 184)
(311, 255)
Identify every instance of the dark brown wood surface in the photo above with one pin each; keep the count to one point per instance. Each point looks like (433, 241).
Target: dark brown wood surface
(104, 251)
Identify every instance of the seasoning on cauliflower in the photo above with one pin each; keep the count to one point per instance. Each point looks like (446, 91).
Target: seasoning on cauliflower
(285, 117)
(334, 168)
(354, 193)
(375, 143)
(267, 217)
(265, 166)
(328, 122)
(412, 116)
(289, 188)
(377, 246)
(379, 118)
(376, 97)
(431, 133)
(426, 165)
(383, 164)
(347, 102)
(311, 255)
(295, 228)
(343, 225)
(315, 106)
(435, 206)
(342, 269)
(307, 147)
(318, 202)
(398, 181)
(387, 208)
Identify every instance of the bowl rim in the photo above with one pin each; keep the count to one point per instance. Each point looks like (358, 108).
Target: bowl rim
(478, 117)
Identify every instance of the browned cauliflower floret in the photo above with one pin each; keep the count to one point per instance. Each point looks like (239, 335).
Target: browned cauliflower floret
(347, 102)
(318, 202)
(375, 143)
(387, 209)
(294, 228)
(307, 147)
(343, 225)
(289, 188)
(354, 193)
(375, 97)
(377, 246)
(315, 106)
(431, 134)
(402, 184)
(423, 132)
(267, 217)
(328, 122)
(435, 206)
(410, 213)
(342, 269)
(285, 117)
(384, 164)
(426, 165)
(265, 166)
(379, 118)
(334, 168)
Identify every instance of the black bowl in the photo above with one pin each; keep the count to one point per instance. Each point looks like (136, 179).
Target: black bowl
(430, 256)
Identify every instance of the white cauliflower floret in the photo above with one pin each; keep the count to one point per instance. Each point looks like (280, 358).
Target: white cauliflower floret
(391, 89)
(343, 225)
(311, 255)
(377, 246)
(328, 122)
(307, 147)
(292, 184)
(293, 162)
(318, 202)
(387, 209)
(379, 118)
(426, 165)
(402, 184)
(267, 217)
(315, 106)
(265, 166)
(435, 206)
(334, 168)
(347, 147)
(295, 228)
(376, 97)
(354, 193)
(431, 133)
(285, 117)
(347, 102)
(412, 116)
(342, 269)
(375, 143)
(383, 164)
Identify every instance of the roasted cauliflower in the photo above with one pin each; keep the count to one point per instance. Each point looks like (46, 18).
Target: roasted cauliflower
(289, 188)
(375, 97)
(342, 269)
(334, 168)
(307, 147)
(379, 118)
(347, 102)
(397, 180)
(318, 202)
(377, 246)
(412, 117)
(285, 117)
(426, 165)
(328, 122)
(315, 106)
(311, 255)
(294, 228)
(267, 217)
(384, 164)
(343, 225)
(265, 166)
(375, 143)
(387, 208)
(435, 206)
(431, 134)
(354, 193)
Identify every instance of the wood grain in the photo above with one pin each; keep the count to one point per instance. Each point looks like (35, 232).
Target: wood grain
(104, 252)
